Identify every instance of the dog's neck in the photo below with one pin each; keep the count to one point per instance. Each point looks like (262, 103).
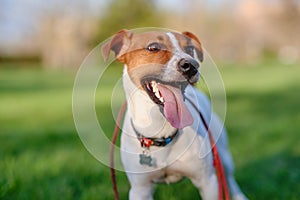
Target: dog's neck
(144, 113)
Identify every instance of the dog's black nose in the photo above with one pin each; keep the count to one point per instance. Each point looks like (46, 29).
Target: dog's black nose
(188, 67)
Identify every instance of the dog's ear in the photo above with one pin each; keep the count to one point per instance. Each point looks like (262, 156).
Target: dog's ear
(118, 44)
(196, 43)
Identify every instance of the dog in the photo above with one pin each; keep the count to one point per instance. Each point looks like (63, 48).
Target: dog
(163, 138)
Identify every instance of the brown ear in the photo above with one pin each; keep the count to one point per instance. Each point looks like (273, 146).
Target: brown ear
(118, 44)
(197, 44)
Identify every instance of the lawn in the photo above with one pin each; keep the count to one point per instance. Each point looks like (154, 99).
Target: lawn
(42, 157)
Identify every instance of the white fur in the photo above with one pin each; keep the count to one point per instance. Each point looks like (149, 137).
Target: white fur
(170, 72)
(188, 155)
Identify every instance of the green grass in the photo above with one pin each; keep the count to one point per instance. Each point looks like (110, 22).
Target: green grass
(42, 157)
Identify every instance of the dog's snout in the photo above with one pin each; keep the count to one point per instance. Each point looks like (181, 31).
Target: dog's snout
(188, 67)
(184, 66)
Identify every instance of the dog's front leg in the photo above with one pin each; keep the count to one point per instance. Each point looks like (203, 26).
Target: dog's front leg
(141, 187)
(208, 186)
(138, 192)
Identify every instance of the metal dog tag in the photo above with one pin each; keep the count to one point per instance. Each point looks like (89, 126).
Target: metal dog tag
(145, 160)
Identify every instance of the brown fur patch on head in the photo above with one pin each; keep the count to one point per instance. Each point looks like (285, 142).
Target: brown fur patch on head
(195, 42)
(118, 44)
(160, 38)
(140, 61)
(138, 55)
(142, 57)
(191, 35)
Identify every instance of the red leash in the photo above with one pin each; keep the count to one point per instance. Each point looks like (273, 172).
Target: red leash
(112, 146)
(223, 188)
(218, 164)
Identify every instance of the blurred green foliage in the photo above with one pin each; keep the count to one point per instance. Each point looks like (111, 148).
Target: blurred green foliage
(127, 14)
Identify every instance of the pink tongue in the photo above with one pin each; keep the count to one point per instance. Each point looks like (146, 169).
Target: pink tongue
(175, 109)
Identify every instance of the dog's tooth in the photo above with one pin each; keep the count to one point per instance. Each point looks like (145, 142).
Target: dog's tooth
(161, 99)
(153, 83)
(153, 89)
(148, 86)
(154, 86)
(157, 94)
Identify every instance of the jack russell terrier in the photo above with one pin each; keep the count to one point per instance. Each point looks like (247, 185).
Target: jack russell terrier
(163, 138)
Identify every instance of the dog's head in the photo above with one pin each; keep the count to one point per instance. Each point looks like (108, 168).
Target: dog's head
(161, 64)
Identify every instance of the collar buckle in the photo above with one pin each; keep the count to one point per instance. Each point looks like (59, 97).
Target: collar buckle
(146, 142)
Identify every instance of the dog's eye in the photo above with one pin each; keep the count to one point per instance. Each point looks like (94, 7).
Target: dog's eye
(154, 47)
(189, 50)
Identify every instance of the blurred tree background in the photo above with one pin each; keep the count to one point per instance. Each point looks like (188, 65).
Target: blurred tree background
(59, 33)
(127, 14)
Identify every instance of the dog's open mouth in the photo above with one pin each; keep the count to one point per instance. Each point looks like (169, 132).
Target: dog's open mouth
(151, 88)
(170, 97)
